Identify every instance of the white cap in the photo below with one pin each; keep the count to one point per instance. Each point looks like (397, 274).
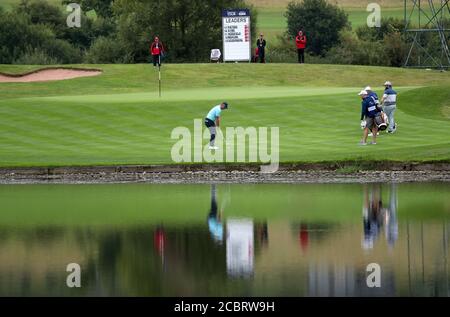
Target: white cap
(363, 93)
(388, 83)
(368, 88)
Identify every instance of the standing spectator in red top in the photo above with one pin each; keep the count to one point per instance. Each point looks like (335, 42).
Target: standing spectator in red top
(157, 50)
(300, 41)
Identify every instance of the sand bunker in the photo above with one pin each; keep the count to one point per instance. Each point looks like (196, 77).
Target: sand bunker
(49, 75)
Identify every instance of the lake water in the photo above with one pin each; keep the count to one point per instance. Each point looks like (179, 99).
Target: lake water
(225, 240)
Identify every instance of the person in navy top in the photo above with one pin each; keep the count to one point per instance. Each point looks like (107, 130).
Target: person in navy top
(372, 94)
(372, 114)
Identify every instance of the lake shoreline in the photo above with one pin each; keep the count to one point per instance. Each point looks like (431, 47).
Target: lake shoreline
(342, 172)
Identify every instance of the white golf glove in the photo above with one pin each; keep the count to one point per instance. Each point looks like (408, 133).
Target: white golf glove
(363, 124)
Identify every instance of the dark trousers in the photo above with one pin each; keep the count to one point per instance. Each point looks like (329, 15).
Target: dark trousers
(262, 57)
(211, 125)
(301, 55)
(156, 60)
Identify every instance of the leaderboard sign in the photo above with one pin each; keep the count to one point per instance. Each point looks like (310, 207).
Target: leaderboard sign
(236, 35)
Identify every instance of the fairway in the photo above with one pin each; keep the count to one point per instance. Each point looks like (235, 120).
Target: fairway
(117, 117)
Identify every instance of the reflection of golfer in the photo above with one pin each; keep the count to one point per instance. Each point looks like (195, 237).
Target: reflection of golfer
(212, 121)
(390, 218)
(372, 217)
(375, 216)
(214, 218)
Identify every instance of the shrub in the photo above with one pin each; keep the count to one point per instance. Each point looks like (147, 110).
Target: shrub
(354, 51)
(35, 56)
(283, 51)
(396, 49)
(388, 26)
(321, 21)
(107, 50)
(62, 51)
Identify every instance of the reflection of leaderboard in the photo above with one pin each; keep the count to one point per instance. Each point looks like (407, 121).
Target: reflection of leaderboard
(240, 241)
(236, 35)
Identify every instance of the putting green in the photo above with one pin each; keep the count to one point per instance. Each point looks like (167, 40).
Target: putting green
(241, 93)
(117, 118)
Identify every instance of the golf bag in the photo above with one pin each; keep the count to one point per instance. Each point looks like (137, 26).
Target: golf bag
(381, 122)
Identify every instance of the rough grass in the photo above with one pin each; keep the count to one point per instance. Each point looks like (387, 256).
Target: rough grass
(117, 118)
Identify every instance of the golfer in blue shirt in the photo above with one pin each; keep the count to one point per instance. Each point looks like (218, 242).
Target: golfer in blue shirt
(212, 121)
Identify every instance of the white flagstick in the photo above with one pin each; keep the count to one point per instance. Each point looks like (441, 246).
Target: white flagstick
(159, 71)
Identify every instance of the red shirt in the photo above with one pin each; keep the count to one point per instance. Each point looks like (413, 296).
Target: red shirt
(156, 48)
(301, 42)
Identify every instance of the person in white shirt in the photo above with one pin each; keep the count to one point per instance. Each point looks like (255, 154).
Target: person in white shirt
(389, 102)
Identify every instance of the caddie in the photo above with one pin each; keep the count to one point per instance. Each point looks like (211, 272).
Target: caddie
(372, 116)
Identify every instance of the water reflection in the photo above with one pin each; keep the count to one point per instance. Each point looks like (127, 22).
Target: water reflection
(240, 247)
(215, 218)
(376, 216)
(159, 242)
(294, 243)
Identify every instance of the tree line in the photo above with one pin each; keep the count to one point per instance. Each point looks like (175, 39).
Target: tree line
(121, 31)
(113, 31)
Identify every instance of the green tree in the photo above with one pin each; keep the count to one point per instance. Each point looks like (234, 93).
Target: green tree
(17, 36)
(21, 41)
(102, 8)
(321, 21)
(41, 12)
(189, 29)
